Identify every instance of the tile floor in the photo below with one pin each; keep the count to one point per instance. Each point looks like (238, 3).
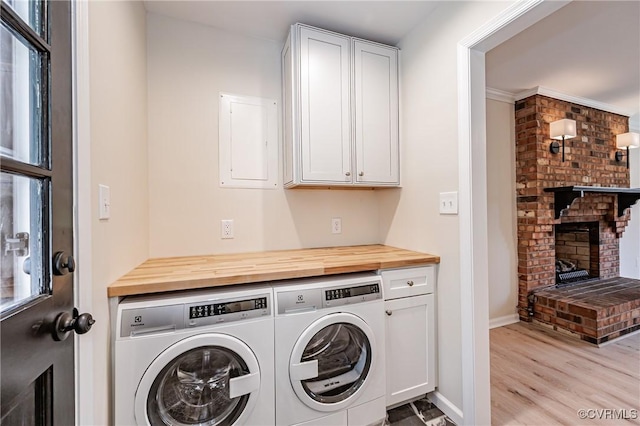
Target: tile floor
(405, 416)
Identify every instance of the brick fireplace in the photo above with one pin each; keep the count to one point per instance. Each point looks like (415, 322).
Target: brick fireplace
(587, 233)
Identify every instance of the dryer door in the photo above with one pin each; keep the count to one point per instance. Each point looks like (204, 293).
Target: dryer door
(331, 361)
(207, 379)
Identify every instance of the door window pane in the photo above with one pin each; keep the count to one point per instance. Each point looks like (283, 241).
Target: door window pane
(31, 12)
(21, 103)
(21, 240)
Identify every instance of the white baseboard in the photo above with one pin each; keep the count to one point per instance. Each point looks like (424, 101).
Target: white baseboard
(502, 321)
(446, 406)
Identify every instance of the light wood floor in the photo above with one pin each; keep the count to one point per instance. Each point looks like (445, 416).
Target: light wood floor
(541, 377)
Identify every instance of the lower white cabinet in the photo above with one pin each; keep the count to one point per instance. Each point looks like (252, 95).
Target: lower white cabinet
(411, 345)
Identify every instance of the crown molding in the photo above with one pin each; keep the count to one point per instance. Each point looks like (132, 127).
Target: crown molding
(545, 91)
(500, 95)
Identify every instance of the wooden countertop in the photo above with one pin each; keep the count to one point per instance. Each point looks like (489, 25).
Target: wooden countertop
(184, 273)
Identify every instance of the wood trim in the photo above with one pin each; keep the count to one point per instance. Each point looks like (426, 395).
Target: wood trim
(545, 91)
(504, 320)
(473, 196)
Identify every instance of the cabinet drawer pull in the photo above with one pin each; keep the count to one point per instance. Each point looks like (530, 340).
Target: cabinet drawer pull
(347, 174)
(388, 312)
(410, 283)
(361, 174)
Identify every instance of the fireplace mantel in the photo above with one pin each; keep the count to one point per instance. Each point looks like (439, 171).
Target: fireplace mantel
(565, 195)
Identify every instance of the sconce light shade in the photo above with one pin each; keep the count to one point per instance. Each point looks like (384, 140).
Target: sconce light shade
(562, 129)
(630, 139)
(626, 140)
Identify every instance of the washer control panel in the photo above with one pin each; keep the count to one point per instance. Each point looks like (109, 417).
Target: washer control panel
(160, 319)
(214, 309)
(347, 295)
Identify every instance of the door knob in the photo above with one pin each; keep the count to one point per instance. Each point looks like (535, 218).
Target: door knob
(388, 312)
(63, 264)
(65, 323)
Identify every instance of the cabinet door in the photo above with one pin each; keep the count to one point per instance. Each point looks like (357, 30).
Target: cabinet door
(410, 354)
(376, 113)
(325, 106)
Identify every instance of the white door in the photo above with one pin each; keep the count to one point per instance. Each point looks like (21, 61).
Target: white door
(207, 379)
(325, 106)
(330, 363)
(376, 113)
(410, 354)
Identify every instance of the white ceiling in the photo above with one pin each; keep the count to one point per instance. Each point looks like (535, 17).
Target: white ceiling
(587, 49)
(382, 21)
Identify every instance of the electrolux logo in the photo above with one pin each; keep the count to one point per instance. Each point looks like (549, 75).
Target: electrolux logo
(137, 321)
(300, 298)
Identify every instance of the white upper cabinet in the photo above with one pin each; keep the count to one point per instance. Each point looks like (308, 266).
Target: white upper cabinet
(340, 110)
(375, 119)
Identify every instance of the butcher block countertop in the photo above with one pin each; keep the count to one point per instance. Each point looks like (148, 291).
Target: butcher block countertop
(184, 273)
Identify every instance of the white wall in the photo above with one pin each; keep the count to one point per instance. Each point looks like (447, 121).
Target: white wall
(502, 226)
(118, 73)
(630, 241)
(429, 146)
(188, 65)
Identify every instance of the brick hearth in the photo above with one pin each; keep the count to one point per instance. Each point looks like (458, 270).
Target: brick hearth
(596, 311)
(589, 162)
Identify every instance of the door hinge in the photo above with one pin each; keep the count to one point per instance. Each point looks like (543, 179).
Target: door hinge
(19, 244)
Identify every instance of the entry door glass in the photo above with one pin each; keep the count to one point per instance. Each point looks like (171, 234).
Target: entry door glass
(343, 353)
(193, 389)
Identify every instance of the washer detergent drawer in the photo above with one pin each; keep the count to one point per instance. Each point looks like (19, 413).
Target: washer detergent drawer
(408, 282)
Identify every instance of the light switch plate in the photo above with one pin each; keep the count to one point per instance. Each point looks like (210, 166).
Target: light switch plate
(104, 198)
(449, 203)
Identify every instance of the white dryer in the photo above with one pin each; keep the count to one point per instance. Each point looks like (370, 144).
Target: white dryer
(200, 357)
(330, 346)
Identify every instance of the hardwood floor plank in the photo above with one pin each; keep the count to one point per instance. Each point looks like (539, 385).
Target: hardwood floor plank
(541, 377)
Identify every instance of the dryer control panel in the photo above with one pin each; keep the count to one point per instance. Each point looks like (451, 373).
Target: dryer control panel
(328, 296)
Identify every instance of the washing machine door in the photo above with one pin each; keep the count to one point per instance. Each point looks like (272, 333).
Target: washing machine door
(330, 363)
(207, 379)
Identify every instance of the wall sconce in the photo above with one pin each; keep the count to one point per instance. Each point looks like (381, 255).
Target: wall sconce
(626, 140)
(561, 130)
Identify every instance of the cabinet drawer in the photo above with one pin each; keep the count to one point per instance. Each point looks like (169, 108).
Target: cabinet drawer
(408, 282)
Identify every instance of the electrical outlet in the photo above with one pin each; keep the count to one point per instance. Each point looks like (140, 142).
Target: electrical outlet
(226, 229)
(336, 225)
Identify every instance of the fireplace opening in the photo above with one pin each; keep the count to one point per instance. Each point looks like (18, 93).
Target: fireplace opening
(577, 252)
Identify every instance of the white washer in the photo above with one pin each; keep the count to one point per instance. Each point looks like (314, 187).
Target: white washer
(200, 357)
(330, 346)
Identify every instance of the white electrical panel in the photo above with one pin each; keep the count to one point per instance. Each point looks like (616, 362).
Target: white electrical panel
(248, 142)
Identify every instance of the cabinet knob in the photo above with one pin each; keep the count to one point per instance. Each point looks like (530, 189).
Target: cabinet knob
(361, 174)
(410, 283)
(347, 174)
(388, 312)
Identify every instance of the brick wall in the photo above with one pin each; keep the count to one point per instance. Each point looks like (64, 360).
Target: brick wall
(589, 162)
